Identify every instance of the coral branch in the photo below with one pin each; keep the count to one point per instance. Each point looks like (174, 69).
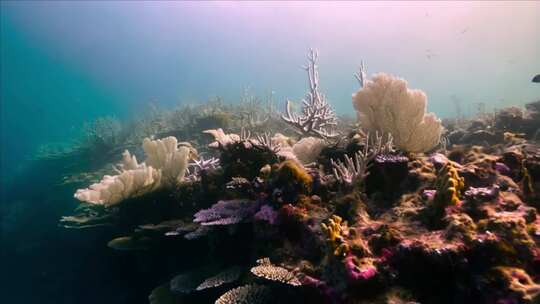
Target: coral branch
(317, 117)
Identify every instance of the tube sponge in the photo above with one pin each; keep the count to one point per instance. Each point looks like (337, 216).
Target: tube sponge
(386, 105)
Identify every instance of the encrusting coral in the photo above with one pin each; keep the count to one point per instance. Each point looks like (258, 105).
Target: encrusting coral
(385, 105)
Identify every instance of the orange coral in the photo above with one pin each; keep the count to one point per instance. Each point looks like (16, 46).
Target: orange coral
(449, 186)
(336, 229)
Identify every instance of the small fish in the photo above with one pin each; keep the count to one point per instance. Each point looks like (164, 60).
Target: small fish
(536, 78)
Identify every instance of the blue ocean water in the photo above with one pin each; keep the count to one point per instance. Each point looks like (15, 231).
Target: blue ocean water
(66, 63)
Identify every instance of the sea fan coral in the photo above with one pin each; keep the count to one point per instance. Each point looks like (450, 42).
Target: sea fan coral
(169, 156)
(308, 149)
(385, 104)
(165, 165)
(112, 190)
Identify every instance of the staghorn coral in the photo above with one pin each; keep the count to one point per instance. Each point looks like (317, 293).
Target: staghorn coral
(265, 140)
(352, 171)
(247, 294)
(317, 117)
(384, 104)
(201, 165)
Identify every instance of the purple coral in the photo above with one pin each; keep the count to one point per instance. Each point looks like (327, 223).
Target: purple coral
(503, 169)
(429, 194)
(267, 213)
(439, 160)
(227, 212)
(482, 194)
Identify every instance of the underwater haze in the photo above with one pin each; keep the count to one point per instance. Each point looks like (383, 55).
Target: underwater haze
(97, 96)
(64, 63)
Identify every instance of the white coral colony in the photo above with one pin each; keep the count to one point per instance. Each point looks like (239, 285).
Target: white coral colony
(165, 165)
(385, 105)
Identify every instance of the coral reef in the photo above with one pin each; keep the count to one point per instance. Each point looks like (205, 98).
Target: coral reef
(380, 215)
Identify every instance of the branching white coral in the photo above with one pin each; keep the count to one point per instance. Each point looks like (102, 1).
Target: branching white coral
(385, 105)
(199, 165)
(317, 117)
(221, 139)
(265, 140)
(165, 165)
(352, 170)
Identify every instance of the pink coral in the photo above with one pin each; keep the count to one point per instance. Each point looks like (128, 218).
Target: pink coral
(359, 271)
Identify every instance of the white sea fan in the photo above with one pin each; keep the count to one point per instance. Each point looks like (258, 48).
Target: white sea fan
(111, 190)
(385, 105)
(165, 165)
(308, 149)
